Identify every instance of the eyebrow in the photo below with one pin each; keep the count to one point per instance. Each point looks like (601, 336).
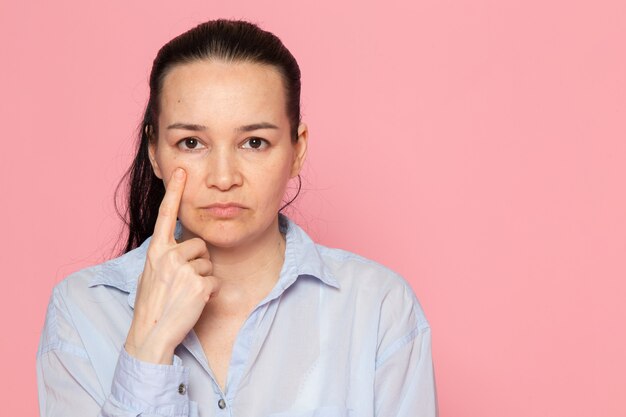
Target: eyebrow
(245, 128)
(186, 126)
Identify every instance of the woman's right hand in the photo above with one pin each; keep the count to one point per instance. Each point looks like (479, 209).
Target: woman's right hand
(173, 288)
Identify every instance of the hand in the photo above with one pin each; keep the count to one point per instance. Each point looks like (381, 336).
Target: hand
(173, 288)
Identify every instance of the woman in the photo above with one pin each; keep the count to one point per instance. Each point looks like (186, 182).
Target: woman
(221, 305)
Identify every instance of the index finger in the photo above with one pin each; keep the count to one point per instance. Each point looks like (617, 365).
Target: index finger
(168, 210)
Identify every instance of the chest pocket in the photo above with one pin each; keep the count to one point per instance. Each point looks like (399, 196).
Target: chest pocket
(318, 412)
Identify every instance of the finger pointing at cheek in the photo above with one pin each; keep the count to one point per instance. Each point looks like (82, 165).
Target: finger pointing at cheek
(175, 285)
(168, 211)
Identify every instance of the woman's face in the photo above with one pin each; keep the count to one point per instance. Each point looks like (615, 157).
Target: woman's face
(226, 125)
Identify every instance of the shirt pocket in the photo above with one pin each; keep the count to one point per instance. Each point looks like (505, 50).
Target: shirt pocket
(318, 412)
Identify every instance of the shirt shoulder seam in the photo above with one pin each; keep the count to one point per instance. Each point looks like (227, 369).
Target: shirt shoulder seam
(55, 343)
(401, 342)
(61, 346)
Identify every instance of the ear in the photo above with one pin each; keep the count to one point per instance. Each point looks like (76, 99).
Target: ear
(300, 147)
(152, 144)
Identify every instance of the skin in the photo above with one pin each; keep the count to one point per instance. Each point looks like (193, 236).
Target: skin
(223, 265)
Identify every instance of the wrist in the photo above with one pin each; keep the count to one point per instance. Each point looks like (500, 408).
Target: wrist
(149, 350)
(151, 354)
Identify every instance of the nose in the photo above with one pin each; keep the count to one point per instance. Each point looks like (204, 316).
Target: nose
(223, 170)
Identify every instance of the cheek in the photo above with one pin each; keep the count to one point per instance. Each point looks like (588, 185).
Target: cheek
(274, 186)
(193, 183)
(169, 159)
(193, 169)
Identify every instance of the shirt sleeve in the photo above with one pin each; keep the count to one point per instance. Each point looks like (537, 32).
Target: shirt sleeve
(404, 379)
(68, 385)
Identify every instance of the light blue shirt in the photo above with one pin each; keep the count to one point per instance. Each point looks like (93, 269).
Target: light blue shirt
(338, 335)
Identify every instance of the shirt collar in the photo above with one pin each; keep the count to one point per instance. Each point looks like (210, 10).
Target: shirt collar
(302, 258)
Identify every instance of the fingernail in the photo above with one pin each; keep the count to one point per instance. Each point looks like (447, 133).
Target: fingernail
(179, 173)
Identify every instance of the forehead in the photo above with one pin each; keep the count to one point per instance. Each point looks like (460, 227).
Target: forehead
(218, 92)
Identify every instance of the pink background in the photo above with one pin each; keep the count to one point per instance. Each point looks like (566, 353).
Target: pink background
(477, 147)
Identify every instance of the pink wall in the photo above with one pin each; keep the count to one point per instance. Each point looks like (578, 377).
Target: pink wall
(477, 147)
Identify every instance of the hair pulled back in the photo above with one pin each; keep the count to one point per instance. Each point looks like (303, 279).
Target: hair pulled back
(224, 40)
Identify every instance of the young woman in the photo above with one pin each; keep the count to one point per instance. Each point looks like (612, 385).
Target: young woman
(221, 305)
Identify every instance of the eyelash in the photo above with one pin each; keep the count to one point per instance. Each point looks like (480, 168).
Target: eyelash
(182, 142)
(264, 143)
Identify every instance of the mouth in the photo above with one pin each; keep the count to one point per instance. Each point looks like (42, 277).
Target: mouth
(223, 210)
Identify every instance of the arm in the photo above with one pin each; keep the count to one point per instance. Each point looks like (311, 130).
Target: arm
(404, 378)
(69, 385)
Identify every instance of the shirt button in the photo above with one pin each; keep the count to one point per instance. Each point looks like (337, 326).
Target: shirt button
(182, 389)
(221, 404)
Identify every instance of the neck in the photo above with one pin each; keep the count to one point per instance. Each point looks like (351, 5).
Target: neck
(253, 266)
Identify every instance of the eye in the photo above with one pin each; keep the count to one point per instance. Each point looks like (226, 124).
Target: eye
(189, 144)
(255, 143)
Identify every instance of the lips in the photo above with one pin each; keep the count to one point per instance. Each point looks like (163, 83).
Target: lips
(224, 210)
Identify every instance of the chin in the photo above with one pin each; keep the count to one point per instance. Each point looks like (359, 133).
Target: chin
(224, 242)
(226, 234)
